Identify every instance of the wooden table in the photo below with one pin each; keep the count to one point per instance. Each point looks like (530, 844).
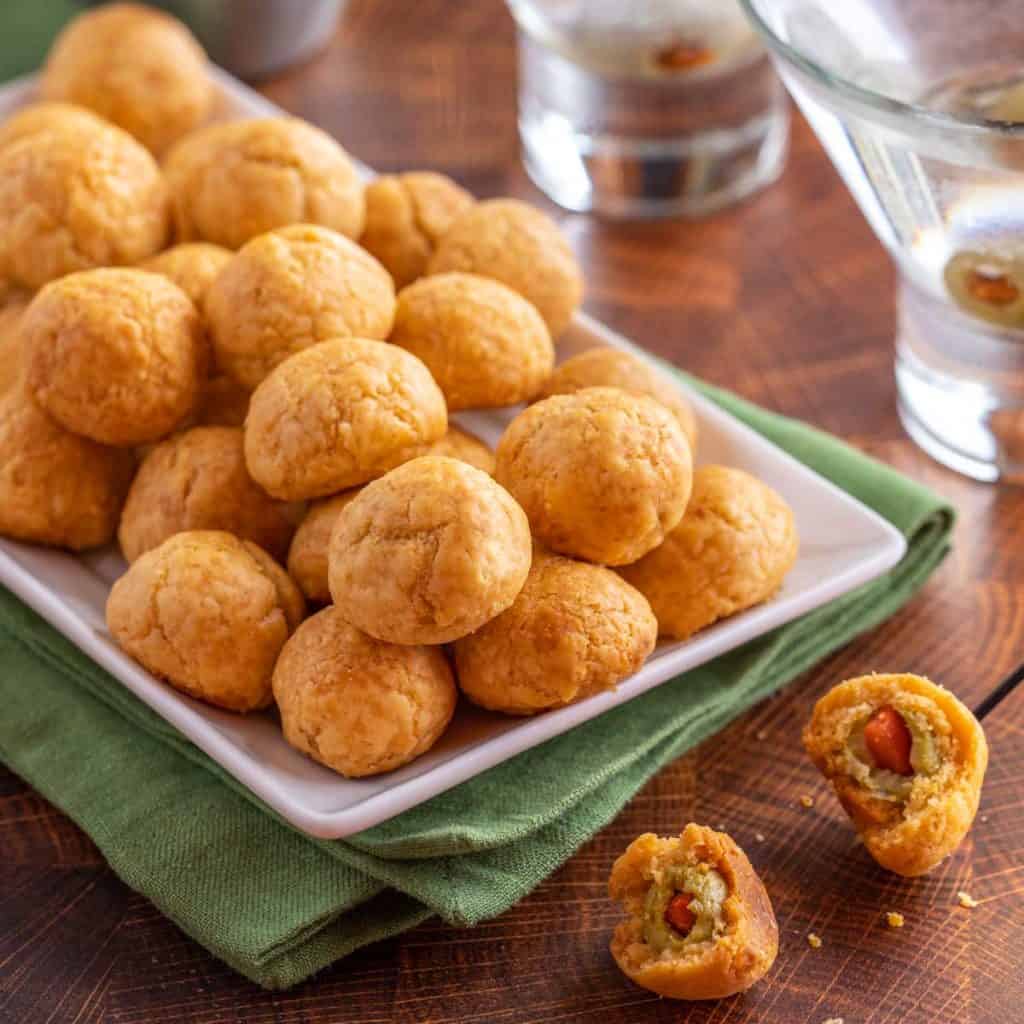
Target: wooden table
(788, 300)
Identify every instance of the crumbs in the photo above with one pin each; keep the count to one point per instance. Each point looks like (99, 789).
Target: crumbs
(806, 800)
(894, 919)
(966, 900)
(814, 941)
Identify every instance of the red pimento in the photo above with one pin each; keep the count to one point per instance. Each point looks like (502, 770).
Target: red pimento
(678, 913)
(889, 741)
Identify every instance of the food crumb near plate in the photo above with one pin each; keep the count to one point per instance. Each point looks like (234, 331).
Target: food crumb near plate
(759, 836)
(806, 801)
(833, 1020)
(966, 900)
(894, 919)
(761, 734)
(814, 941)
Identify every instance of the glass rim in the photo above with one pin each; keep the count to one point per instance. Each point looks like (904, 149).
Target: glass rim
(964, 123)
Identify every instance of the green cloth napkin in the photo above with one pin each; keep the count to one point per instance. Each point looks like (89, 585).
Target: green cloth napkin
(277, 905)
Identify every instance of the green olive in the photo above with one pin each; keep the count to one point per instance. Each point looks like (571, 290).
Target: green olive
(708, 889)
(887, 785)
(988, 286)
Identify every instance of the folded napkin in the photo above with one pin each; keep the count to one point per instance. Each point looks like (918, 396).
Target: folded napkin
(277, 905)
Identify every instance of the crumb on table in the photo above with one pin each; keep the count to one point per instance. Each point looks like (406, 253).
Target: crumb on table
(759, 836)
(807, 801)
(814, 941)
(833, 1020)
(894, 919)
(965, 899)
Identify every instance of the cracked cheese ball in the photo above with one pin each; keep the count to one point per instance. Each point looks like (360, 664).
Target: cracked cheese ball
(289, 289)
(610, 367)
(602, 474)
(428, 553)
(116, 355)
(521, 247)
(406, 216)
(486, 346)
(209, 613)
(135, 66)
(197, 480)
(74, 198)
(55, 487)
(42, 117)
(338, 414)
(731, 551)
(906, 760)
(192, 266)
(574, 630)
(700, 924)
(235, 180)
(356, 705)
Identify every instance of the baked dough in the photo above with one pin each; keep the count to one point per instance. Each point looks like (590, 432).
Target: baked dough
(910, 816)
(48, 117)
(13, 303)
(428, 553)
(704, 883)
(603, 475)
(574, 630)
(192, 266)
(731, 551)
(209, 613)
(357, 705)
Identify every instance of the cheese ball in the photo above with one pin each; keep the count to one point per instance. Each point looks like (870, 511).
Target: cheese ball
(906, 760)
(461, 445)
(197, 480)
(73, 199)
(238, 179)
(521, 247)
(209, 613)
(116, 355)
(338, 414)
(13, 303)
(486, 346)
(428, 553)
(56, 488)
(289, 289)
(356, 705)
(574, 630)
(603, 475)
(48, 117)
(192, 266)
(731, 551)
(700, 924)
(406, 216)
(613, 368)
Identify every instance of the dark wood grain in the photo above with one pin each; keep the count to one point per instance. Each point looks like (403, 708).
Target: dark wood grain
(787, 299)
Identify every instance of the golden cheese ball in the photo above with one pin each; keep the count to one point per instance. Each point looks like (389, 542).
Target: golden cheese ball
(356, 705)
(428, 553)
(192, 266)
(48, 117)
(289, 289)
(520, 246)
(338, 414)
(486, 346)
(699, 921)
(13, 303)
(731, 551)
(604, 475)
(574, 630)
(613, 368)
(135, 66)
(116, 355)
(406, 215)
(907, 760)
(209, 613)
(74, 199)
(55, 487)
(197, 480)
(238, 179)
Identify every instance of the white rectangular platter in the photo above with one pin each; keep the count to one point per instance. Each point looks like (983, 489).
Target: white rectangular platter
(843, 544)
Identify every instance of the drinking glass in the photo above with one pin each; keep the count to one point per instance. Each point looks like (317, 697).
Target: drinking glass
(648, 108)
(920, 106)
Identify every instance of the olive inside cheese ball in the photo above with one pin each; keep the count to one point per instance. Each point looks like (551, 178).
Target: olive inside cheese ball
(192, 266)
(117, 355)
(356, 705)
(906, 760)
(235, 180)
(406, 216)
(197, 480)
(56, 488)
(486, 346)
(338, 414)
(428, 553)
(520, 246)
(289, 289)
(603, 475)
(209, 613)
(74, 198)
(574, 630)
(700, 924)
(613, 368)
(731, 551)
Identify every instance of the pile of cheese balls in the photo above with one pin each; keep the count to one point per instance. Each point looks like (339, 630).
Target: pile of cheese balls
(240, 362)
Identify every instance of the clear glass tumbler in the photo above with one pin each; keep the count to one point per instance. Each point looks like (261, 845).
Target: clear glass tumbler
(920, 104)
(648, 108)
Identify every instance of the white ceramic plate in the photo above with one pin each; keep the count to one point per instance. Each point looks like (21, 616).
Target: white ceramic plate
(843, 544)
